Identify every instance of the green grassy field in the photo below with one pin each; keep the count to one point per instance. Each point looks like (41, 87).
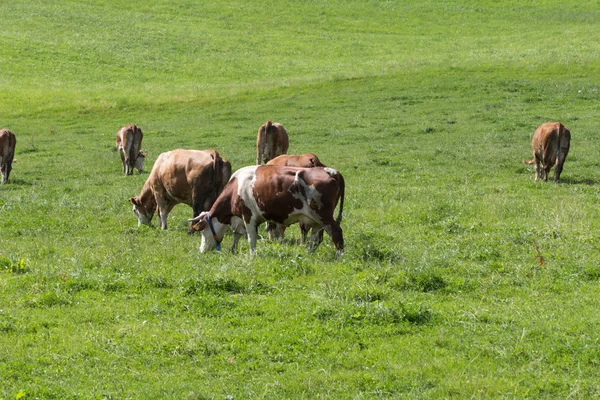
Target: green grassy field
(427, 109)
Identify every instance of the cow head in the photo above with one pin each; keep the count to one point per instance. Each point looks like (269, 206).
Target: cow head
(143, 215)
(212, 231)
(139, 161)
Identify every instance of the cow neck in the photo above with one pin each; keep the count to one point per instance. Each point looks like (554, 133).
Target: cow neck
(222, 207)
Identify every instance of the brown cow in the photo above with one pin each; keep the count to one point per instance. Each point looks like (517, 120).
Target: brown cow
(308, 160)
(193, 177)
(284, 195)
(129, 142)
(550, 145)
(7, 153)
(272, 140)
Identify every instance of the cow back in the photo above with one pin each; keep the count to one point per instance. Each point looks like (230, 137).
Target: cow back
(308, 160)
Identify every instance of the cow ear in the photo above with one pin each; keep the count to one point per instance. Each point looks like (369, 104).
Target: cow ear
(134, 201)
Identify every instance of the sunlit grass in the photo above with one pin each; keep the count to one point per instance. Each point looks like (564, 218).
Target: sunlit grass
(427, 109)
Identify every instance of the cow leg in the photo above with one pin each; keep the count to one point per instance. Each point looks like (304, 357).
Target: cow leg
(335, 231)
(236, 239)
(275, 231)
(313, 243)
(558, 169)
(547, 172)
(163, 213)
(252, 236)
(122, 160)
(304, 232)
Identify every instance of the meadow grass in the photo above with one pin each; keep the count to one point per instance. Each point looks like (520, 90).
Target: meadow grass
(427, 109)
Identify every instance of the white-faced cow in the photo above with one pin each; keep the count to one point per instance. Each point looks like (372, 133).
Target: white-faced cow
(192, 177)
(284, 195)
(550, 145)
(272, 140)
(129, 142)
(308, 160)
(7, 153)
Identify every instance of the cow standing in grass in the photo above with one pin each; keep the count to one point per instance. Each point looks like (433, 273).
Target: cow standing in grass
(8, 142)
(192, 177)
(128, 143)
(284, 195)
(307, 160)
(550, 145)
(272, 140)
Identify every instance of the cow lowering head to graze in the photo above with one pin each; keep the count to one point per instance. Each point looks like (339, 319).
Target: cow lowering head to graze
(308, 160)
(272, 140)
(192, 177)
(7, 153)
(139, 161)
(284, 195)
(128, 143)
(550, 145)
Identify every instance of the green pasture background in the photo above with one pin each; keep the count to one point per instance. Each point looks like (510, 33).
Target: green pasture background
(462, 277)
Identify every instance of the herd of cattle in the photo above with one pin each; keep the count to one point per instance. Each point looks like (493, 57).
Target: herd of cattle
(288, 189)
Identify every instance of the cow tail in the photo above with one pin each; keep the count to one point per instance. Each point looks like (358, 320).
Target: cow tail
(217, 173)
(268, 126)
(335, 174)
(342, 192)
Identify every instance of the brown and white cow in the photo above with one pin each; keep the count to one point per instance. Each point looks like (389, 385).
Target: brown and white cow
(272, 140)
(192, 177)
(284, 195)
(7, 153)
(550, 145)
(308, 160)
(128, 143)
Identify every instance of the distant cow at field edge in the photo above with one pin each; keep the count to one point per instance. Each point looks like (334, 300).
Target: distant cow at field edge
(192, 177)
(8, 142)
(550, 145)
(128, 143)
(272, 140)
(284, 195)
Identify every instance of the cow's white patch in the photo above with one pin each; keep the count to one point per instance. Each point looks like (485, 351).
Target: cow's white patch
(246, 178)
(208, 241)
(306, 214)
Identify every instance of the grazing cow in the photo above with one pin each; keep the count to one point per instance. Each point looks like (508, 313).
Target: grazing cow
(284, 195)
(272, 141)
(308, 160)
(7, 153)
(193, 177)
(129, 143)
(550, 145)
